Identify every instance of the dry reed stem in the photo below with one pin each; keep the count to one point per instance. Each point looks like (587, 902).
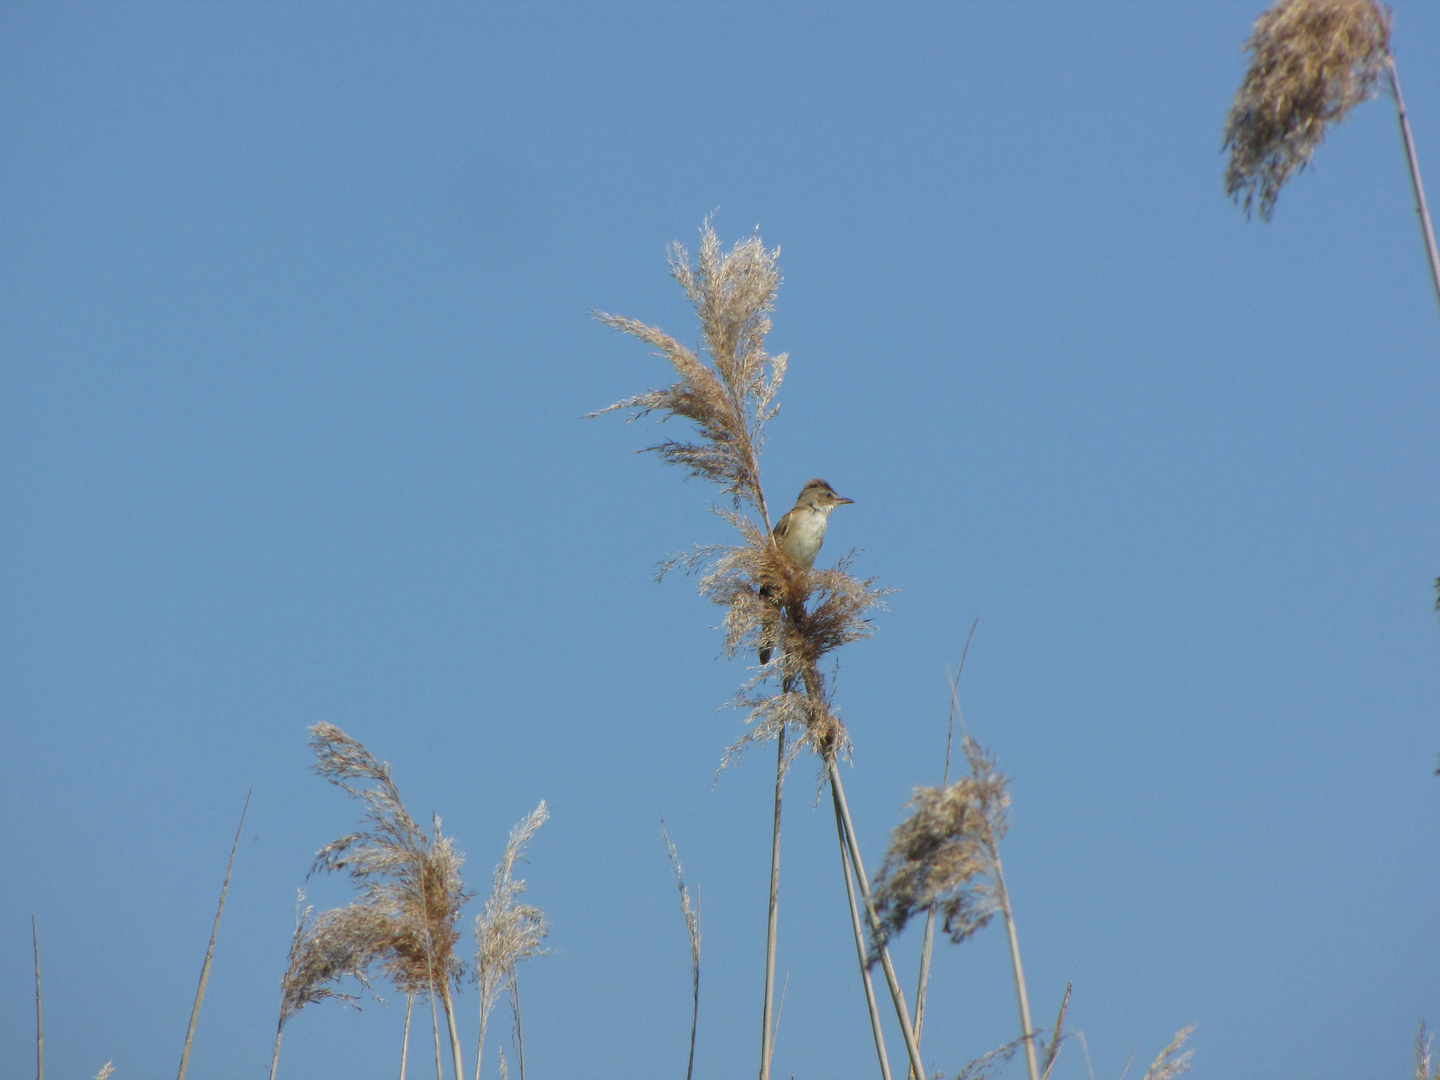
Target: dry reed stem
(39, 1015)
(1057, 1038)
(517, 1033)
(507, 932)
(692, 929)
(1312, 61)
(875, 1030)
(848, 840)
(405, 1038)
(1417, 186)
(210, 950)
(769, 1030)
(1170, 1062)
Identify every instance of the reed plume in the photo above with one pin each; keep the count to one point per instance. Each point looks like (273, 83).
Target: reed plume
(946, 855)
(799, 614)
(1170, 1062)
(340, 944)
(1312, 61)
(507, 932)
(410, 884)
(934, 860)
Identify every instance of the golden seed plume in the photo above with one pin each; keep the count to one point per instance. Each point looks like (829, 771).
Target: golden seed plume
(340, 944)
(945, 853)
(1312, 61)
(800, 614)
(730, 399)
(409, 881)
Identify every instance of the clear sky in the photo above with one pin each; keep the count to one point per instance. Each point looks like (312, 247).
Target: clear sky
(295, 346)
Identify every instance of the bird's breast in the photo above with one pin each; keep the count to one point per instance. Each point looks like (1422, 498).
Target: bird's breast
(803, 537)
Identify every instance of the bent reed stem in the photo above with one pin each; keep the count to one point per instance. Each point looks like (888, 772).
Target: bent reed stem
(1027, 1032)
(847, 836)
(860, 948)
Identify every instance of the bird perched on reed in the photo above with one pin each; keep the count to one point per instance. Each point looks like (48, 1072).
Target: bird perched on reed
(801, 532)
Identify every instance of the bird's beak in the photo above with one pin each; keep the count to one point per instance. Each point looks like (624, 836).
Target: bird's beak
(841, 499)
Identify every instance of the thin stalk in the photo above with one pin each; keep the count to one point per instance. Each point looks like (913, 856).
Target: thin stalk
(454, 1035)
(484, 1023)
(275, 1057)
(39, 1017)
(928, 944)
(695, 1017)
(210, 951)
(435, 1029)
(860, 951)
(405, 1042)
(519, 1031)
(1026, 1031)
(1427, 231)
(767, 1035)
(847, 837)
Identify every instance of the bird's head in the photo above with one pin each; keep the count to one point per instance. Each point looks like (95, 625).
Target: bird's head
(819, 495)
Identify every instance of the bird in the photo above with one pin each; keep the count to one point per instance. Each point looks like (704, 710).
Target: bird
(801, 531)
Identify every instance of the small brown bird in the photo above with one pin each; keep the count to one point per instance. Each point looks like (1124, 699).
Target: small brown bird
(802, 530)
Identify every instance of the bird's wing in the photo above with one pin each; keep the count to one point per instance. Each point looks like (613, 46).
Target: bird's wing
(782, 527)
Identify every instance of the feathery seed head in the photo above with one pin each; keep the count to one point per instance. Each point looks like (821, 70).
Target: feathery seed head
(1312, 62)
(507, 931)
(1171, 1062)
(731, 398)
(796, 614)
(946, 853)
(411, 888)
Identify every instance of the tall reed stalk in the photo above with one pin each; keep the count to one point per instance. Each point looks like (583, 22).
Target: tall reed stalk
(859, 931)
(795, 614)
(849, 844)
(767, 1030)
(210, 950)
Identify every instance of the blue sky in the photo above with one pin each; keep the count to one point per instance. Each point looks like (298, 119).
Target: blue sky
(296, 349)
